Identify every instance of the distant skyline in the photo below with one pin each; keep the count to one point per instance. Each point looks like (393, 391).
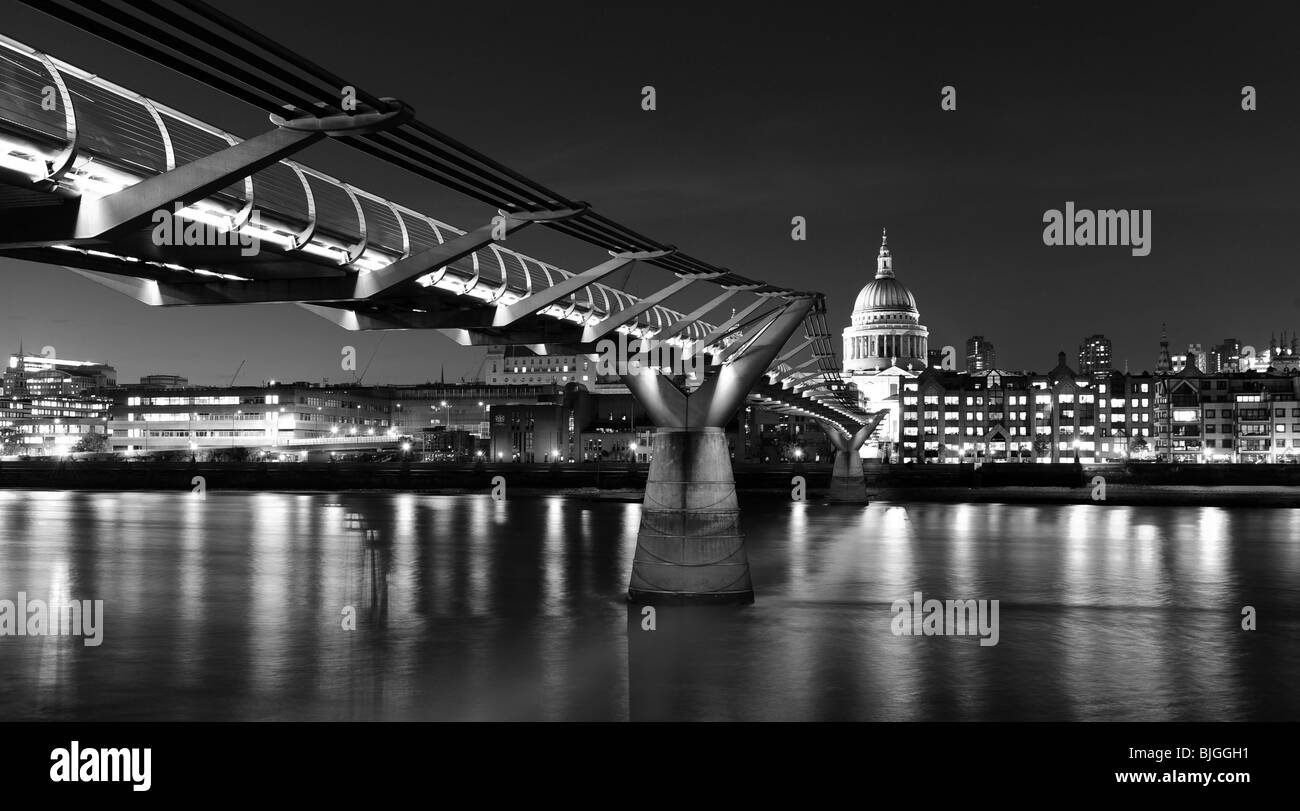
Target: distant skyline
(831, 114)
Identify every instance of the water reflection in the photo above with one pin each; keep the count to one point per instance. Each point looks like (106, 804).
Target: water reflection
(360, 606)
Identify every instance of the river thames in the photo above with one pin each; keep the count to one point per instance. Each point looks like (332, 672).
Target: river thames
(352, 606)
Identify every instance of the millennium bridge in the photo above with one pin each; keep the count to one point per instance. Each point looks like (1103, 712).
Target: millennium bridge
(90, 172)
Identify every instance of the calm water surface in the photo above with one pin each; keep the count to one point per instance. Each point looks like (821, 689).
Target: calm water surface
(232, 608)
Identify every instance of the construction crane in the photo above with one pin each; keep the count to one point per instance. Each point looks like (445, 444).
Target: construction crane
(236, 374)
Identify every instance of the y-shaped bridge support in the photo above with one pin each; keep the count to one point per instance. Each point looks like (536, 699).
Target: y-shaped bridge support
(847, 483)
(689, 548)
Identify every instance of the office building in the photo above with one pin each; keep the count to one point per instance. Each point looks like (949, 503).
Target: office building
(1095, 354)
(951, 417)
(1240, 417)
(980, 355)
(286, 419)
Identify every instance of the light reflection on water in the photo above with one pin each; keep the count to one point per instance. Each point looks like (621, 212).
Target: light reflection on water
(232, 607)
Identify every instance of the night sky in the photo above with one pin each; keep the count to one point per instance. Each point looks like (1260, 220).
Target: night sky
(764, 113)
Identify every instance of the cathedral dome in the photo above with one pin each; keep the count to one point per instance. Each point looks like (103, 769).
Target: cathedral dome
(885, 329)
(885, 292)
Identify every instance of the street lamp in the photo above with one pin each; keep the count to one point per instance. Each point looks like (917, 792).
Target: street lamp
(632, 447)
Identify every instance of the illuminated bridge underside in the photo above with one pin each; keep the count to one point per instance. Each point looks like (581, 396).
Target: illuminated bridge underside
(89, 170)
(80, 185)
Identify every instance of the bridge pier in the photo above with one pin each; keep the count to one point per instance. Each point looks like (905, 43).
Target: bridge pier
(848, 486)
(690, 550)
(847, 483)
(689, 547)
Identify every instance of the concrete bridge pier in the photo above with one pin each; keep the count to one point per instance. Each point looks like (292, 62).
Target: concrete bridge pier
(848, 486)
(690, 550)
(689, 546)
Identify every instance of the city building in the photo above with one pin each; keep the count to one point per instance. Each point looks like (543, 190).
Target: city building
(885, 343)
(1228, 417)
(572, 425)
(52, 425)
(453, 420)
(1095, 354)
(508, 365)
(463, 407)
(769, 437)
(1226, 357)
(42, 375)
(53, 407)
(287, 419)
(980, 355)
(951, 417)
(164, 381)
(1284, 355)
